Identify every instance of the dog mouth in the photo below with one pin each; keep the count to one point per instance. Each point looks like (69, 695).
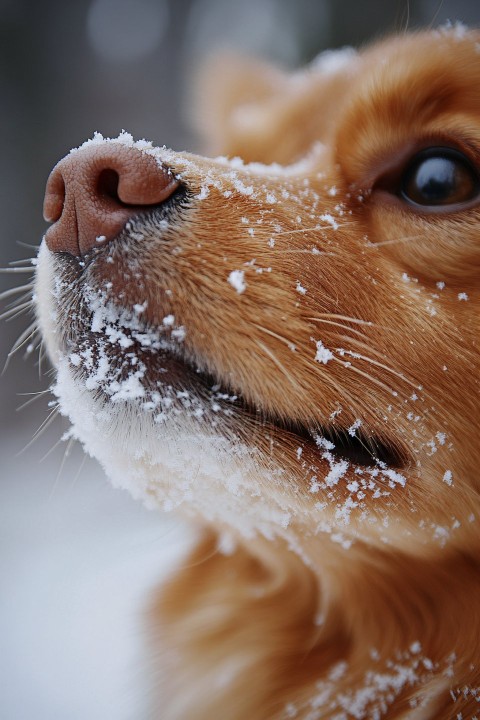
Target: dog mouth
(120, 358)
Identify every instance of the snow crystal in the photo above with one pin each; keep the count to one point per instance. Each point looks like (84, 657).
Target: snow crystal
(128, 389)
(441, 533)
(395, 477)
(323, 355)
(237, 281)
(204, 192)
(179, 334)
(330, 220)
(340, 539)
(462, 296)
(299, 288)
(458, 30)
(448, 477)
(323, 443)
(139, 308)
(243, 189)
(337, 471)
(352, 430)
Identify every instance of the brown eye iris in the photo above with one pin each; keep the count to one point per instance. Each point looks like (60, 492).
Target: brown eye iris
(440, 176)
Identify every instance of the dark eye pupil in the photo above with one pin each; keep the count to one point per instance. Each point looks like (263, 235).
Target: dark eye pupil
(439, 176)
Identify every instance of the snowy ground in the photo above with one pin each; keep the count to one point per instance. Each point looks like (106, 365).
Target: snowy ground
(77, 561)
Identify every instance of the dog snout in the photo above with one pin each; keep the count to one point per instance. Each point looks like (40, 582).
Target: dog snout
(92, 193)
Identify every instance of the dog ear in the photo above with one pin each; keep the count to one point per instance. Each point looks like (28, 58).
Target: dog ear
(232, 103)
(248, 108)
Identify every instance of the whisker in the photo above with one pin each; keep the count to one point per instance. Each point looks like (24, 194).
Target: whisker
(25, 261)
(345, 318)
(393, 241)
(18, 301)
(23, 337)
(380, 365)
(337, 324)
(211, 554)
(15, 291)
(432, 24)
(14, 270)
(361, 344)
(315, 228)
(77, 474)
(20, 341)
(45, 424)
(41, 355)
(68, 449)
(16, 310)
(55, 445)
(372, 379)
(306, 252)
(35, 396)
(371, 350)
(20, 243)
(279, 365)
(273, 334)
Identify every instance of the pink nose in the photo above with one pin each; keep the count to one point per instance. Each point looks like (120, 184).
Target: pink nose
(92, 193)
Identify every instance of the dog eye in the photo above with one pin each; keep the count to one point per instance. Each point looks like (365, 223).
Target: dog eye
(439, 176)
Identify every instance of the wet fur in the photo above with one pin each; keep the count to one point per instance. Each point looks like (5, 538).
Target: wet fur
(334, 611)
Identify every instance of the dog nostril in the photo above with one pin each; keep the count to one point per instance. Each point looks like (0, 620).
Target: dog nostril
(107, 184)
(96, 190)
(54, 198)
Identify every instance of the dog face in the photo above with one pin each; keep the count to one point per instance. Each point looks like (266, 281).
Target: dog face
(287, 343)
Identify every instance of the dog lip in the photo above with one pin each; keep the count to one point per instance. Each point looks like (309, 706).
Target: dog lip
(358, 449)
(174, 368)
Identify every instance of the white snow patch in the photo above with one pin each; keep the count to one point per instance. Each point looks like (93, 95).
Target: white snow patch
(330, 220)
(352, 430)
(448, 477)
(237, 281)
(323, 354)
(332, 61)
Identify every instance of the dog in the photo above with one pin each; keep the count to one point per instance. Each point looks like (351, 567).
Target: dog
(280, 342)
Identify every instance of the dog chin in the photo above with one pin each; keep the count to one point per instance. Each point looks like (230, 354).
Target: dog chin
(168, 446)
(178, 462)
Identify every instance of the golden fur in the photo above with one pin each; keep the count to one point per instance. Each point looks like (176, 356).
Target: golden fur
(361, 312)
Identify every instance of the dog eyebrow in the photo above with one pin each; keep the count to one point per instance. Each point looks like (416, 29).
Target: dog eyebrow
(401, 103)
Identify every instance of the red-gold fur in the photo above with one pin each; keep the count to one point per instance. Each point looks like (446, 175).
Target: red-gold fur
(366, 602)
(253, 614)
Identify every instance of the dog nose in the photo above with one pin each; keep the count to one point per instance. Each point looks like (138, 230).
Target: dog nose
(92, 193)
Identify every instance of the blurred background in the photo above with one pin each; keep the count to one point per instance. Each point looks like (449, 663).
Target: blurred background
(76, 557)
